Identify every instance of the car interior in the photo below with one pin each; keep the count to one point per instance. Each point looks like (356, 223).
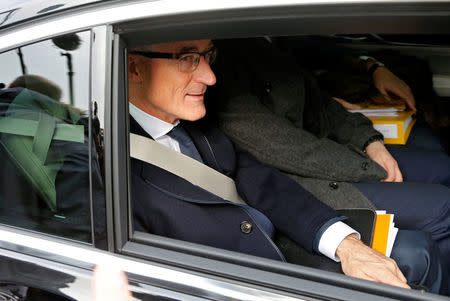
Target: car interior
(342, 76)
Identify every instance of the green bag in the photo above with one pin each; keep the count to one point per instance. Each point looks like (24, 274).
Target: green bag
(28, 127)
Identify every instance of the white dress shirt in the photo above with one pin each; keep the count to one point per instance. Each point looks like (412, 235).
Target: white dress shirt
(158, 129)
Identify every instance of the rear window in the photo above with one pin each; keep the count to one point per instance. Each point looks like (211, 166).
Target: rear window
(49, 138)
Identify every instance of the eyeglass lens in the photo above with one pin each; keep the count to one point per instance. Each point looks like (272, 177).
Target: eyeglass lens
(188, 62)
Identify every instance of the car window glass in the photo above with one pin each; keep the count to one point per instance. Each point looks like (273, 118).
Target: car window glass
(170, 201)
(45, 132)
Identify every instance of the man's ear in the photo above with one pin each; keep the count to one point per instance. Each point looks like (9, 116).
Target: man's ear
(134, 72)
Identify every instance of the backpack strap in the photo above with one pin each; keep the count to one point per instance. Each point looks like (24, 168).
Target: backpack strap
(29, 126)
(43, 131)
(26, 127)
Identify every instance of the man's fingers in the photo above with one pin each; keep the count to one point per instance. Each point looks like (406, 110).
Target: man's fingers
(360, 261)
(395, 270)
(378, 153)
(389, 178)
(398, 174)
(401, 276)
(352, 106)
(347, 105)
(392, 279)
(391, 276)
(391, 173)
(387, 276)
(399, 93)
(404, 93)
(409, 98)
(394, 173)
(386, 81)
(384, 92)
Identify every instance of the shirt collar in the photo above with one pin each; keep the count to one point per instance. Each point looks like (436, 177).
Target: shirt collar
(155, 127)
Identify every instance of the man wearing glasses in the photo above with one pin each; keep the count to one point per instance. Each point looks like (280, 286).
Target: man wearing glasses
(167, 83)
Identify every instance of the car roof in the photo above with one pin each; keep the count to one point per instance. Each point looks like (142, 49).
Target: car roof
(17, 11)
(14, 11)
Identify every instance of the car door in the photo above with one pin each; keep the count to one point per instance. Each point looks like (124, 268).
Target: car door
(208, 22)
(46, 258)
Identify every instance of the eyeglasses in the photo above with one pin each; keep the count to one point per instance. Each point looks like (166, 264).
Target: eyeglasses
(187, 61)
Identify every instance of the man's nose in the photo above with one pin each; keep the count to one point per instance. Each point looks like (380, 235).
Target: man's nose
(204, 73)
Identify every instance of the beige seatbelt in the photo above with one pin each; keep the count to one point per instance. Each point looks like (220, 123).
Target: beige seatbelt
(197, 173)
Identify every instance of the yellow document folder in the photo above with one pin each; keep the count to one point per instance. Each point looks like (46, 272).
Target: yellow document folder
(384, 233)
(395, 129)
(381, 232)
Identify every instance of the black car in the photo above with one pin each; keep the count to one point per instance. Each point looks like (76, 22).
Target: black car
(65, 182)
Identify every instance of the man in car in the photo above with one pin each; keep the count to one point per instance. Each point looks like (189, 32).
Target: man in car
(276, 111)
(167, 83)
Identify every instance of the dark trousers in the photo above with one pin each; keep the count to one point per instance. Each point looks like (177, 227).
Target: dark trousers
(423, 166)
(422, 137)
(416, 206)
(415, 252)
(424, 158)
(422, 201)
(417, 256)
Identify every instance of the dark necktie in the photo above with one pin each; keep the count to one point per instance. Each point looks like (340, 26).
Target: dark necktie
(187, 146)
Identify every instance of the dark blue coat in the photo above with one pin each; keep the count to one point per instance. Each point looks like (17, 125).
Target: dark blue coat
(165, 204)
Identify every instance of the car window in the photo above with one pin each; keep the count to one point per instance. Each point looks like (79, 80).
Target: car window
(163, 201)
(49, 138)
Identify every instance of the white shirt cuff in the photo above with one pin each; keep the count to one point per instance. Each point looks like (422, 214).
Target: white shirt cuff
(332, 237)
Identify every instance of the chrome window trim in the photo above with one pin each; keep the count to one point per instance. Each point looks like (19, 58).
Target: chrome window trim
(246, 268)
(101, 57)
(79, 288)
(177, 280)
(107, 13)
(81, 276)
(120, 173)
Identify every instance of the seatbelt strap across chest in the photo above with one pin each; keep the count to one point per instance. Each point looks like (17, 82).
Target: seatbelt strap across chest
(199, 174)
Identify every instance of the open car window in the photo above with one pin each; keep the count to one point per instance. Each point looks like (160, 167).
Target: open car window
(155, 211)
(133, 35)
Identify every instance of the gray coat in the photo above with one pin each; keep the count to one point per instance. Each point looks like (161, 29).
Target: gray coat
(276, 111)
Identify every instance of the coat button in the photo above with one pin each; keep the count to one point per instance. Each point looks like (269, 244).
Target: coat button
(365, 165)
(334, 185)
(246, 227)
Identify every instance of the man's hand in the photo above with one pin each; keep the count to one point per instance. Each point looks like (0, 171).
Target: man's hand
(378, 153)
(360, 261)
(386, 82)
(347, 105)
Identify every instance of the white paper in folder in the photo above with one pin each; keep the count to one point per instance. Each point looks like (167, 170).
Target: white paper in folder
(387, 130)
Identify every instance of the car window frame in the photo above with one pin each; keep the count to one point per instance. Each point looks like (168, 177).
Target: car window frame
(191, 26)
(7, 48)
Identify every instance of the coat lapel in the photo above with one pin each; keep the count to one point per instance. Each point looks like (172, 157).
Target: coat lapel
(167, 182)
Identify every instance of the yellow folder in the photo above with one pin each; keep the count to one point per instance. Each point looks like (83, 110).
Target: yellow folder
(381, 232)
(395, 129)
